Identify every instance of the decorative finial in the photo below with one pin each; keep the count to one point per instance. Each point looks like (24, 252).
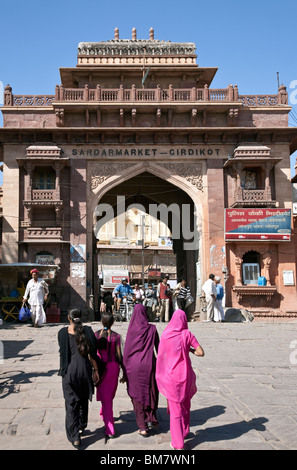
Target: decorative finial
(134, 34)
(116, 33)
(151, 34)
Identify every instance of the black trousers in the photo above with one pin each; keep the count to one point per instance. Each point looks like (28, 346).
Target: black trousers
(76, 418)
(181, 303)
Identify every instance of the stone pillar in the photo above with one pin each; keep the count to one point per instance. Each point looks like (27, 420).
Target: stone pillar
(98, 93)
(230, 93)
(282, 95)
(206, 93)
(28, 182)
(8, 98)
(267, 181)
(238, 263)
(86, 92)
(133, 93)
(267, 263)
(134, 34)
(151, 34)
(116, 34)
(79, 279)
(159, 93)
(238, 190)
(57, 182)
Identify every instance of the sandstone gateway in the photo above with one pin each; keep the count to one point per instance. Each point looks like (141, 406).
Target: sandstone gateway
(137, 118)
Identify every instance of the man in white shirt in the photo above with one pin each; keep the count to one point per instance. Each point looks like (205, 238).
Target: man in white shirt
(139, 293)
(210, 291)
(37, 291)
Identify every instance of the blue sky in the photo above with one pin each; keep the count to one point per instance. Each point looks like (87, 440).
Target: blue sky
(249, 42)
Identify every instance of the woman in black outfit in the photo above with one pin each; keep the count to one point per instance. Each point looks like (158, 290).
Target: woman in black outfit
(78, 353)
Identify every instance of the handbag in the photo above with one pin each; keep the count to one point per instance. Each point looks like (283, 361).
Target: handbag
(189, 300)
(24, 313)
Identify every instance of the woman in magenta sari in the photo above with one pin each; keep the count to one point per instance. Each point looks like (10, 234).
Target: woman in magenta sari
(175, 377)
(140, 365)
(109, 351)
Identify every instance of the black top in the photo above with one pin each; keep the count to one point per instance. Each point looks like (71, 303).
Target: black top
(65, 352)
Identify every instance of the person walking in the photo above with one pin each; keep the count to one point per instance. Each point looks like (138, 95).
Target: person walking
(219, 314)
(140, 364)
(109, 351)
(78, 353)
(210, 291)
(175, 377)
(181, 293)
(163, 296)
(150, 302)
(138, 294)
(37, 292)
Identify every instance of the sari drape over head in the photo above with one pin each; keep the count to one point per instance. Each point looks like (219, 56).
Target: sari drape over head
(139, 359)
(175, 377)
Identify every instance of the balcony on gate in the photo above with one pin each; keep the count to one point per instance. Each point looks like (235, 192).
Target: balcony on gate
(252, 168)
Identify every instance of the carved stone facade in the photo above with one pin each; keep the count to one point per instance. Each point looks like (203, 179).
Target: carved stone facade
(192, 172)
(100, 172)
(138, 118)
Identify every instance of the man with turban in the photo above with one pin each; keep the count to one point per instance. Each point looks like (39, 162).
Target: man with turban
(37, 291)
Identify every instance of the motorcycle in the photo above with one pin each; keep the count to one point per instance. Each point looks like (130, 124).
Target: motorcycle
(126, 308)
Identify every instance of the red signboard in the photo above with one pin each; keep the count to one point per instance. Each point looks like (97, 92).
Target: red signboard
(154, 272)
(258, 224)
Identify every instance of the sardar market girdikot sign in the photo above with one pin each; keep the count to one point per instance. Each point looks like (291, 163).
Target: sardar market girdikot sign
(258, 224)
(144, 152)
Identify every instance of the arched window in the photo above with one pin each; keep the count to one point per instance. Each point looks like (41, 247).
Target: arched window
(251, 270)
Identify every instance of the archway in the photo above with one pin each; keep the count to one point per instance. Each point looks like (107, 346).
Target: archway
(147, 189)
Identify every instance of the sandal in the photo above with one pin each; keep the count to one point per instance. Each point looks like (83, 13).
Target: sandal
(76, 444)
(143, 433)
(175, 448)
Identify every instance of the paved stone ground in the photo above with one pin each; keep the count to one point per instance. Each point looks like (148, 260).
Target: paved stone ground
(246, 397)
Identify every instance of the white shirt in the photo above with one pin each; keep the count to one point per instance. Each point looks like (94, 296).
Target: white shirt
(139, 294)
(36, 291)
(209, 288)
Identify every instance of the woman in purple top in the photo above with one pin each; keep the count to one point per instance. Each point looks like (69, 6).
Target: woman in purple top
(109, 351)
(140, 366)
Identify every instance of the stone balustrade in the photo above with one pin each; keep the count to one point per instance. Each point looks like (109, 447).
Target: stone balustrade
(254, 194)
(43, 194)
(253, 197)
(32, 100)
(147, 95)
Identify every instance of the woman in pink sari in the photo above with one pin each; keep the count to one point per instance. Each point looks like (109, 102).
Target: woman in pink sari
(175, 377)
(109, 351)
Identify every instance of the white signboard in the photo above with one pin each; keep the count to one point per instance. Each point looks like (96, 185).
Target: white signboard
(113, 277)
(45, 259)
(288, 277)
(165, 241)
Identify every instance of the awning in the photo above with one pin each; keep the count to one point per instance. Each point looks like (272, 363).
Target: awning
(48, 271)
